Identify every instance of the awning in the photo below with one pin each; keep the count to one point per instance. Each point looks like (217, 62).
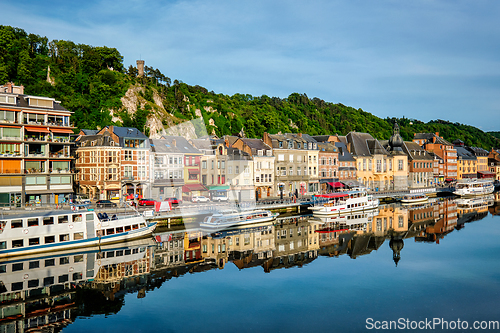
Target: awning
(486, 173)
(336, 184)
(218, 187)
(193, 187)
(36, 129)
(61, 130)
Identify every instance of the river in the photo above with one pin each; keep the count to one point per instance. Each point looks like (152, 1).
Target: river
(428, 266)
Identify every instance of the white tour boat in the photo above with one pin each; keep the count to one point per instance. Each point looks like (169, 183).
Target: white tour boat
(31, 233)
(474, 187)
(231, 219)
(344, 202)
(414, 198)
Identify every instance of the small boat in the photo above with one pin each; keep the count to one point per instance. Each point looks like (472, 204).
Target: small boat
(344, 202)
(32, 233)
(474, 187)
(414, 198)
(233, 218)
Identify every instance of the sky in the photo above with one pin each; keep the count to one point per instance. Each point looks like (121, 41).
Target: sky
(425, 60)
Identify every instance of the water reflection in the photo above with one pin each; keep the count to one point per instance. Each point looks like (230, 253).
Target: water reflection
(54, 290)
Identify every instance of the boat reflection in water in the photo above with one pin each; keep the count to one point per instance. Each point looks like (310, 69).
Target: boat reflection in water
(39, 292)
(36, 292)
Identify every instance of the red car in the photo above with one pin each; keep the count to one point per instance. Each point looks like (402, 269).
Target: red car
(174, 201)
(146, 202)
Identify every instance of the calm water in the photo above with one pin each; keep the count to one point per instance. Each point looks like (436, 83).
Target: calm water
(303, 274)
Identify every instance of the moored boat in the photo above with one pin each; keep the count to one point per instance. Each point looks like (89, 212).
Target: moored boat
(231, 219)
(31, 233)
(414, 198)
(344, 202)
(474, 187)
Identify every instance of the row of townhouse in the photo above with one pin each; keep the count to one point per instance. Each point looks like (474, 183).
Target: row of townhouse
(39, 163)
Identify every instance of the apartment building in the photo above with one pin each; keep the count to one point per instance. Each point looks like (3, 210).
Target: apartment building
(420, 165)
(432, 142)
(35, 160)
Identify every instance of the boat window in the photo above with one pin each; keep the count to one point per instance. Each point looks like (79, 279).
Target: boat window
(78, 258)
(128, 228)
(34, 264)
(2, 226)
(33, 222)
(77, 218)
(78, 235)
(110, 254)
(110, 231)
(63, 278)
(64, 238)
(135, 226)
(48, 281)
(3, 268)
(33, 283)
(143, 225)
(63, 219)
(90, 217)
(17, 286)
(34, 241)
(50, 262)
(48, 220)
(17, 243)
(77, 276)
(50, 239)
(119, 229)
(17, 267)
(119, 253)
(16, 224)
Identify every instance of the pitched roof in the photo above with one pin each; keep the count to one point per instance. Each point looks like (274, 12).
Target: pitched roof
(173, 144)
(464, 154)
(415, 152)
(429, 138)
(128, 132)
(363, 144)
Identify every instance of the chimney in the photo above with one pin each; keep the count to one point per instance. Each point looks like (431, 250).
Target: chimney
(300, 135)
(437, 133)
(140, 68)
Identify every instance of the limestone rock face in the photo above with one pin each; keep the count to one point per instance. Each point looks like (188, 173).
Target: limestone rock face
(160, 121)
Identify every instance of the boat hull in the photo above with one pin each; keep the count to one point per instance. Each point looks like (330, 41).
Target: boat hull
(238, 223)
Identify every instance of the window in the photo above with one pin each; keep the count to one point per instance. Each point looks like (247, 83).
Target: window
(34, 264)
(17, 243)
(32, 222)
(50, 239)
(34, 241)
(281, 157)
(16, 224)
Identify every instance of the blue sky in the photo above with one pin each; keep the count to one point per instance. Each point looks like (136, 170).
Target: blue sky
(419, 59)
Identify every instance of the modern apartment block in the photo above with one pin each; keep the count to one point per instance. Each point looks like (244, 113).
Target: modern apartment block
(35, 160)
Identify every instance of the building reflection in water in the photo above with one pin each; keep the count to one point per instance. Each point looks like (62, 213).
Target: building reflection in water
(53, 290)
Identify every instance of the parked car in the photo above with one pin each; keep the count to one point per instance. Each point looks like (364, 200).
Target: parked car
(174, 201)
(104, 203)
(146, 202)
(199, 198)
(220, 197)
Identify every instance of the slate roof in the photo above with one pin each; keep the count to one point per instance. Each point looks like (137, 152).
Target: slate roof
(173, 144)
(128, 132)
(89, 132)
(255, 144)
(344, 154)
(464, 154)
(100, 140)
(363, 144)
(429, 136)
(478, 151)
(415, 152)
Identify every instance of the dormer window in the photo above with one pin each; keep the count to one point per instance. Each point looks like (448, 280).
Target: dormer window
(315, 146)
(41, 102)
(260, 152)
(298, 145)
(310, 145)
(280, 144)
(7, 99)
(290, 144)
(269, 153)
